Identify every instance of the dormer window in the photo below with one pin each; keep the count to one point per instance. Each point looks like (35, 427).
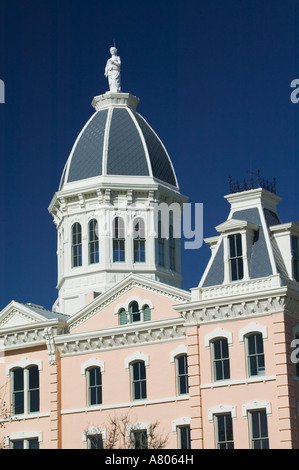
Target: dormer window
(238, 238)
(235, 257)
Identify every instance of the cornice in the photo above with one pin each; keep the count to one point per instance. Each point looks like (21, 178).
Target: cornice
(121, 337)
(257, 304)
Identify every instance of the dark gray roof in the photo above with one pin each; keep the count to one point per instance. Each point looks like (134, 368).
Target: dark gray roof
(48, 314)
(133, 149)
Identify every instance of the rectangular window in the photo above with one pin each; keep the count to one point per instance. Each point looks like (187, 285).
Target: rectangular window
(33, 389)
(255, 354)
(259, 430)
(139, 250)
(182, 374)
(235, 257)
(221, 359)
(139, 439)
(95, 441)
(224, 431)
(295, 255)
(184, 437)
(138, 380)
(25, 444)
(18, 391)
(95, 386)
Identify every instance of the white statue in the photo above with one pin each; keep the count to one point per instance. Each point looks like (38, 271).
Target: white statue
(112, 70)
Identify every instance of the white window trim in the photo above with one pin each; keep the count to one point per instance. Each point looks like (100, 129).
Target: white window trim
(23, 435)
(23, 364)
(92, 362)
(180, 422)
(136, 356)
(181, 349)
(256, 405)
(252, 328)
(246, 230)
(221, 409)
(138, 427)
(218, 333)
(141, 304)
(94, 431)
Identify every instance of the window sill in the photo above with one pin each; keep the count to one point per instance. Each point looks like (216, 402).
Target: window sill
(22, 417)
(249, 380)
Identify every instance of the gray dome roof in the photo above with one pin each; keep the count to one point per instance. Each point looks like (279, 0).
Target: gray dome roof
(118, 141)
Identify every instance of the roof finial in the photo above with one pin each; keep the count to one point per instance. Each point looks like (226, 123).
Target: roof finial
(112, 70)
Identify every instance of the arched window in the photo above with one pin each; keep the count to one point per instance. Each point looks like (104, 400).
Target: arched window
(146, 313)
(161, 248)
(138, 378)
(255, 354)
(93, 242)
(25, 390)
(123, 318)
(139, 240)
(182, 374)
(94, 385)
(134, 312)
(118, 240)
(76, 245)
(221, 369)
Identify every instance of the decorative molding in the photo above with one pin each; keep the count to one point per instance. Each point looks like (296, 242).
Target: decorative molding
(181, 349)
(92, 362)
(122, 336)
(219, 409)
(138, 427)
(136, 356)
(218, 333)
(252, 328)
(185, 421)
(94, 431)
(232, 309)
(24, 363)
(256, 405)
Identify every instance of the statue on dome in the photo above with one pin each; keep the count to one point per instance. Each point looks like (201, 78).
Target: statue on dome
(112, 70)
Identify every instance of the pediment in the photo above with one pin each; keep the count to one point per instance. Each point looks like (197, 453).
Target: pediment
(133, 287)
(235, 224)
(16, 315)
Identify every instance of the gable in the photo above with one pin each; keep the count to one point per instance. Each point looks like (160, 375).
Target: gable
(103, 312)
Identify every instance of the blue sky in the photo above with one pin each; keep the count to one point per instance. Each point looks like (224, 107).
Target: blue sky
(213, 78)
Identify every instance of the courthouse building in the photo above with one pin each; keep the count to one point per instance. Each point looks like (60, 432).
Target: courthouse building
(211, 367)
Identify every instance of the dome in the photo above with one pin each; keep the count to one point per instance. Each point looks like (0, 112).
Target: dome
(117, 140)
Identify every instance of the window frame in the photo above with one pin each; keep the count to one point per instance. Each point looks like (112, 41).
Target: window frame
(138, 381)
(76, 245)
(98, 386)
(226, 442)
(256, 355)
(236, 258)
(26, 391)
(139, 241)
(118, 240)
(221, 360)
(180, 429)
(183, 376)
(93, 242)
(251, 428)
